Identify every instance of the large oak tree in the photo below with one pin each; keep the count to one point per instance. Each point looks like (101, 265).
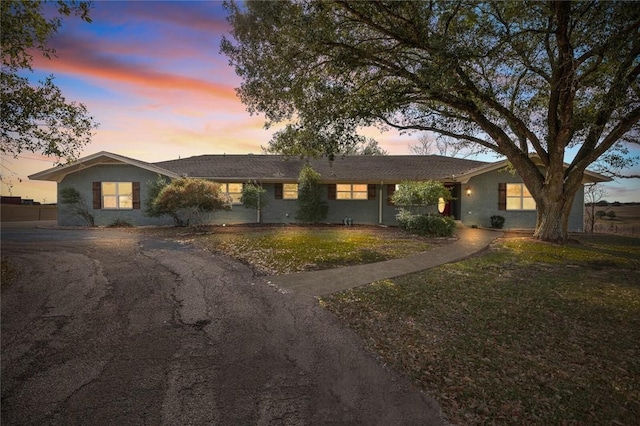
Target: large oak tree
(36, 117)
(511, 77)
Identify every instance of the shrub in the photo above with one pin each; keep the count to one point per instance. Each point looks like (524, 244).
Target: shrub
(311, 206)
(600, 214)
(152, 209)
(192, 197)
(119, 223)
(431, 225)
(611, 214)
(78, 204)
(419, 196)
(254, 196)
(497, 222)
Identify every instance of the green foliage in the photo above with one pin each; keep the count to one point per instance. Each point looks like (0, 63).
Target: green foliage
(152, 209)
(420, 195)
(189, 198)
(429, 225)
(37, 118)
(416, 199)
(254, 196)
(311, 206)
(72, 197)
(481, 75)
(497, 221)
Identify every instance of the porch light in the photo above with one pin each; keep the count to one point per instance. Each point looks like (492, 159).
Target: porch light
(468, 191)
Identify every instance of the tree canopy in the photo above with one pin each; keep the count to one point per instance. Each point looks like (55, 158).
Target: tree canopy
(511, 77)
(37, 117)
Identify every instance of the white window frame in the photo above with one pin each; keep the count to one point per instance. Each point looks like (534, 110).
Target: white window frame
(289, 191)
(521, 200)
(342, 193)
(121, 195)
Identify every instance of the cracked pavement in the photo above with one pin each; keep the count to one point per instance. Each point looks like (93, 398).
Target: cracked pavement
(110, 326)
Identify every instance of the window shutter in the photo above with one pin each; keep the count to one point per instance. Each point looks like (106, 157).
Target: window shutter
(371, 192)
(277, 189)
(97, 195)
(502, 196)
(331, 191)
(136, 194)
(391, 188)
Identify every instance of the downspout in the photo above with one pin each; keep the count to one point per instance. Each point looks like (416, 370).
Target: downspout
(380, 203)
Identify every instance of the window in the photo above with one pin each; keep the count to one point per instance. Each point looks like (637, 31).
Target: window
(352, 191)
(519, 197)
(233, 190)
(290, 191)
(117, 195)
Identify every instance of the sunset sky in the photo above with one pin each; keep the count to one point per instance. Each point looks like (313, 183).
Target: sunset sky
(152, 75)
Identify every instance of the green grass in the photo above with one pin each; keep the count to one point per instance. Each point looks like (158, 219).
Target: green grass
(527, 333)
(277, 250)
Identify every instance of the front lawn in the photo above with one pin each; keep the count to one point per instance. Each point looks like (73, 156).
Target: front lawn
(526, 333)
(286, 249)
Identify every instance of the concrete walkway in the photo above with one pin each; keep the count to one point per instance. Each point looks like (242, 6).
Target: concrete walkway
(320, 283)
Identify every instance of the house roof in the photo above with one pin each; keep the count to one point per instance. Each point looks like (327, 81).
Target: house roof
(277, 168)
(355, 168)
(58, 173)
(588, 177)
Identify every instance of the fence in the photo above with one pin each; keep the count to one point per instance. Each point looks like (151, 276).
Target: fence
(14, 213)
(616, 228)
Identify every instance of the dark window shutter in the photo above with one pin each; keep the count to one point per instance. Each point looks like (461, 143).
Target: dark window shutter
(371, 192)
(391, 188)
(277, 189)
(502, 196)
(136, 194)
(331, 191)
(97, 195)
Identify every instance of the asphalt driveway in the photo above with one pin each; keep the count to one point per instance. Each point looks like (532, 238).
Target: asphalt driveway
(113, 327)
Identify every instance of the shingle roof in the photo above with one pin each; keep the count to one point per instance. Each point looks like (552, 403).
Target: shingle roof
(357, 168)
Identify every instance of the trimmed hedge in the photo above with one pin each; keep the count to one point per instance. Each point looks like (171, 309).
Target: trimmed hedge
(430, 225)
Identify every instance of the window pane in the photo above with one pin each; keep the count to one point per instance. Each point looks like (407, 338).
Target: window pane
(343, 195)
(360, 196)
(528, 203)
(235, 188)
(125, 188)
(360, 188)
(126, 202)
(525, 191)
(290, 191)
(341, 187)
(108, 188)
(109, 202)
(514, 203)
(290, 187)
(514, 189)
(235, 198)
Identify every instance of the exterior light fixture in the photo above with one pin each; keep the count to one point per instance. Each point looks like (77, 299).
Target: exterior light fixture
(468, 191)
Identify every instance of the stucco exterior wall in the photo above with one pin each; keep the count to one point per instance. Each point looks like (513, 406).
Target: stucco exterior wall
(82, 181)
(477, 208)
(474, 209)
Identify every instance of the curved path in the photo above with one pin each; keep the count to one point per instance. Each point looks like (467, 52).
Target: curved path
(320, 283)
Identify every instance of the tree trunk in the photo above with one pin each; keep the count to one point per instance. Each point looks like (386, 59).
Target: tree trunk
(553, 219)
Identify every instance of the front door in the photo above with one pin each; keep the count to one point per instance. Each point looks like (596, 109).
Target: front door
(444, 207)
